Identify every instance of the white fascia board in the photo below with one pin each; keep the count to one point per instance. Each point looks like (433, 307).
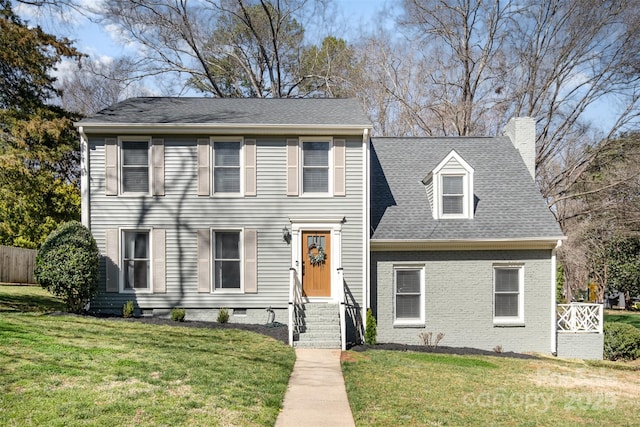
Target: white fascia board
(380, 245)
(228, 129)
(453, 154)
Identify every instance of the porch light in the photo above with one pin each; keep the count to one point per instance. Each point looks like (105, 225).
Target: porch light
(286, 235)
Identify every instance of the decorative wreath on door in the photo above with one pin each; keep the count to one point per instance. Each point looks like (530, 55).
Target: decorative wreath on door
(319, 257)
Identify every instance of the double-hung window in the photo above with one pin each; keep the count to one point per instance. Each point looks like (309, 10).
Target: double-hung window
(508, 294)
(452, 194)
(226, 167)
(315, 166)
(134, 167)
(409, 295)
(227, 262)
(136, 265)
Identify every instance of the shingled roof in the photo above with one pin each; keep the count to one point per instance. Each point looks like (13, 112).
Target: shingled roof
(508, 204)
(232, 111)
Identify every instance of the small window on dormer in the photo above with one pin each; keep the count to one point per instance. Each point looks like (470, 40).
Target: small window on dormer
(452, 195)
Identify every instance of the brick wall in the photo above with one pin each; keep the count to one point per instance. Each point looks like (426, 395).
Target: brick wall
(580, 345)
(522, 132)
(459, 299)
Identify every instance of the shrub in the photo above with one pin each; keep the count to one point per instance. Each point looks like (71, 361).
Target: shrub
(67, 265)
(127, 309)
(177, 314)
(426, 338)
(223, 315)
(621, 341)
(371, 330)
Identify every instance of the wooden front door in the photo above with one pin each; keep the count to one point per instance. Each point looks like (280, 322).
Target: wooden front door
(316, 265)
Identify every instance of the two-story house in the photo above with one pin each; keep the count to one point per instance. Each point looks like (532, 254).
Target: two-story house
(244, 204)
(288, 208)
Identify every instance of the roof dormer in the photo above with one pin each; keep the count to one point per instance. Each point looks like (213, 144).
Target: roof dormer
(450, 188)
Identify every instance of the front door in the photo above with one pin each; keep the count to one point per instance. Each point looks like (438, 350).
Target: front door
(316, 266)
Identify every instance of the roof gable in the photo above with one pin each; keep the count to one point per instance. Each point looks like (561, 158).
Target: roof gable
(453, 160)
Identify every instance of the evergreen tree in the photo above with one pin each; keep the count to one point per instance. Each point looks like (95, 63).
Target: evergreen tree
(39, 154)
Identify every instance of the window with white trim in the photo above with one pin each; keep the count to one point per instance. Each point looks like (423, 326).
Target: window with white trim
(508, 284)
(227, 260)
(408, 295)
(316, 167)
(452, 194)
(227, 167)
(134, 166)
(136, 260)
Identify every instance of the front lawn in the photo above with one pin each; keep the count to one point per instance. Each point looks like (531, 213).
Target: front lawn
(392, 388)
(65, 370)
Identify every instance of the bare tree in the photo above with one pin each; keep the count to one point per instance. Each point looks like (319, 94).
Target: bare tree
(389, 81)
(94, 85)
(462, 41)
(570, 56)
(228, 48)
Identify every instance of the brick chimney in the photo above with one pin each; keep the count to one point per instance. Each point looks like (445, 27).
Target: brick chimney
(522, 132)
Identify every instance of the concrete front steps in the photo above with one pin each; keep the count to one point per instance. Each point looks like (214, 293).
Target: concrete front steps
(321, 326)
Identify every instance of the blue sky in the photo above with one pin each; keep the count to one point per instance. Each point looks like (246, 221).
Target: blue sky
(96, 40)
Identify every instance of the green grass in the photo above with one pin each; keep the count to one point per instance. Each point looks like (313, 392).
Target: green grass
(388, 388)
(630, 317)
(72, 370)
(17, 298)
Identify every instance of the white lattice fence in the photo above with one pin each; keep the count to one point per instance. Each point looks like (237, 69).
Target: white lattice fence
(580, 317)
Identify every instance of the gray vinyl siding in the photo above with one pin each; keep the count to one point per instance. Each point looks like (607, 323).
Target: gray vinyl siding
(453, 165)
(459, 299)
(181, 212)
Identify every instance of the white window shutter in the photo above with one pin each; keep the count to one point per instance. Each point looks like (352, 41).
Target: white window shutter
(157, 159)
(292, 167)
(204, 175)
(111, 166)
(112, 259)
(250, 167)
(250, 261)
(339, 167)
(159, 260)
(204, 252)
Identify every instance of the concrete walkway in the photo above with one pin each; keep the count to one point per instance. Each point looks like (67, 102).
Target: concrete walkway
(316, 395)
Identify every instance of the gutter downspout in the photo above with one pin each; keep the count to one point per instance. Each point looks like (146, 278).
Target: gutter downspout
(554, 315)
(85, 205)
(366, 298)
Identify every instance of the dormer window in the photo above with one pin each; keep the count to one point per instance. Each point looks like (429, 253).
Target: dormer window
(450, 188)
(452, 194)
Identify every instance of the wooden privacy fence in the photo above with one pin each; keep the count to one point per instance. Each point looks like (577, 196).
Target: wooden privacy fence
(17, 265)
